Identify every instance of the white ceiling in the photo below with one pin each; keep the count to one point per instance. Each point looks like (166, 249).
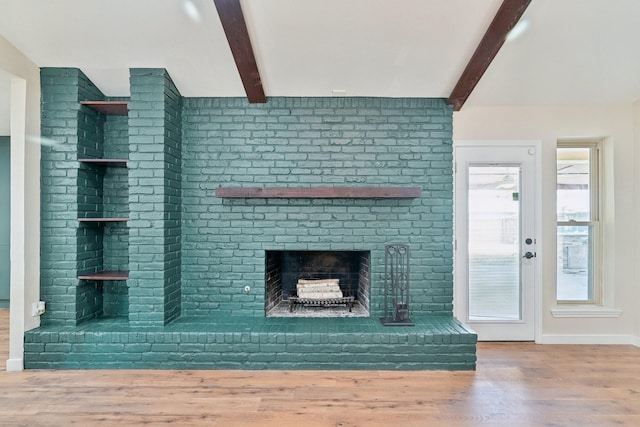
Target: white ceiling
(575, 51)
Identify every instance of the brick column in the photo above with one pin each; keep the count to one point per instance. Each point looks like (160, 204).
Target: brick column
(68, 192)
(155, 139)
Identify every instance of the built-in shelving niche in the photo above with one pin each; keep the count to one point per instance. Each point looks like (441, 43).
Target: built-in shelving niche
(103, 198)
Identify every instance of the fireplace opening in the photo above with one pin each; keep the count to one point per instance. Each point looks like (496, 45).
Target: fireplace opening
(287, 271)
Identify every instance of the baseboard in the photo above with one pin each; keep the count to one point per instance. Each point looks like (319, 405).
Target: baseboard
(15, 365)
(591, 339)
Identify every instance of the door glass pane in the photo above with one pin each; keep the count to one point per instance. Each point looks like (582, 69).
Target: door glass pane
(494, 243)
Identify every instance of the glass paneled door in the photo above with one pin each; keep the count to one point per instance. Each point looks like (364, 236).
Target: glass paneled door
(495, 240)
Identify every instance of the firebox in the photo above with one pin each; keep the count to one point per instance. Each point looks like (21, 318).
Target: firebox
(286, 270)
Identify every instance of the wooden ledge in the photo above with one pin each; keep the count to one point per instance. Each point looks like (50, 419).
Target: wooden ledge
(111, 108)
(122, 163)
(106, 275)
(319, 192)
(110, 219)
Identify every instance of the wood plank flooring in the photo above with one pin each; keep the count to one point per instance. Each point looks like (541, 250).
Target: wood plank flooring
(516, 384)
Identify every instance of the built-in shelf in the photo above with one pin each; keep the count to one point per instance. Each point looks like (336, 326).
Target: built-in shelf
(319, 192)
(106, 275)
(114, 108)
(111, 219)
(119, 163)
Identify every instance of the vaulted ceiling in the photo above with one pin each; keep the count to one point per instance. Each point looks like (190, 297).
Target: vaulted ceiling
(573, 52)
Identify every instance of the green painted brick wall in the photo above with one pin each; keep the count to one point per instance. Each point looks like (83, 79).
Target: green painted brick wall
(71, 190)
(91, 254)
(115, 236)
(173, 200)
(313, 142)
(191, 253)
(61, 260)
(155, 139)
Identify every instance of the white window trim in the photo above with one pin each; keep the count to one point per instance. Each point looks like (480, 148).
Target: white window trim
(591, 311)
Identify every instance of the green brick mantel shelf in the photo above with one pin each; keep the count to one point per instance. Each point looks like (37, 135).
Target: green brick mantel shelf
(319, 192)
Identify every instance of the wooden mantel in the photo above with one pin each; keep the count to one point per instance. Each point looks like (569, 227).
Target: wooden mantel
(319, 192)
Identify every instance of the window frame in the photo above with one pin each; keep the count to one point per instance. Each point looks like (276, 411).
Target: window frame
(594, 222)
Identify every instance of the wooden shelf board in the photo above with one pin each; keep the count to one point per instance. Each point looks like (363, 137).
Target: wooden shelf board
(105, 162)
(319, 192)
(106, 275)
(114, 108)
(103, 219)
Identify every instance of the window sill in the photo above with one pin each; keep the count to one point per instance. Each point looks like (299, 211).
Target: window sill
(585, 311)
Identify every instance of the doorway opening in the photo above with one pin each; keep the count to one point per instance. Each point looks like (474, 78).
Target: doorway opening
(497, 222)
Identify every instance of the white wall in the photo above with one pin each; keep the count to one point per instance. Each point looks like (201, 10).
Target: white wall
(5, 104)
(548, 124)
(25, 195)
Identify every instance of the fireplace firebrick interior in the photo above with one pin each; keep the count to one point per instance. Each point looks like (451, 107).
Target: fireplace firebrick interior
(284, 268)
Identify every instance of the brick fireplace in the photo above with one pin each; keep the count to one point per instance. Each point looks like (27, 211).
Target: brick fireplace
(303, 179)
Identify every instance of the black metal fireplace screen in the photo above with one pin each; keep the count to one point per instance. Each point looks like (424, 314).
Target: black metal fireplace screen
(396, 286)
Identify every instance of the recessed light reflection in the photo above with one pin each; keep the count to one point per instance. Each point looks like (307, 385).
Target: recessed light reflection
(40, 140)
(518, 30)
(191, 10)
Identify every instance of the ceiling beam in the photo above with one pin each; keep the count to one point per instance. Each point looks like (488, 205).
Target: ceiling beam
(235, 28)
(506, 18)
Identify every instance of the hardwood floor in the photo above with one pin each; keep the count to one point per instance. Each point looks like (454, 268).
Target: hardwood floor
(4, 337)
(515, 384)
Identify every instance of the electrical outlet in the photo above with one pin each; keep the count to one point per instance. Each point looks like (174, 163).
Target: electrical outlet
(38, 309)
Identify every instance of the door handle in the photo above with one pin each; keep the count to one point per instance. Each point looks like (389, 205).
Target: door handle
(529, 255)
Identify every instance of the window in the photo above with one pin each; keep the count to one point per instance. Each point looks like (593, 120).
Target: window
(578, 222)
